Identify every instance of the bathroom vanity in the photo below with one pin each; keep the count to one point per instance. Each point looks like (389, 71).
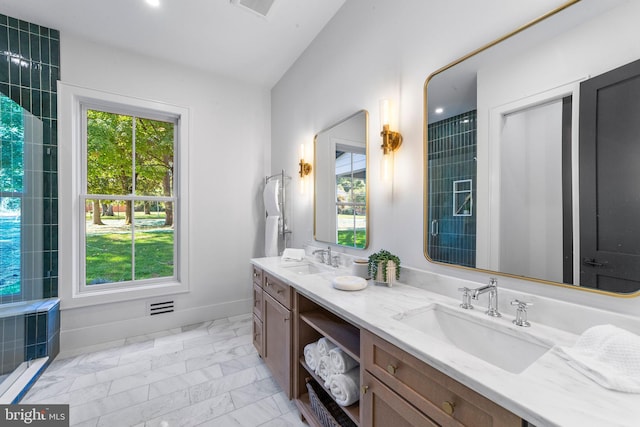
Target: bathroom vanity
(406, 377)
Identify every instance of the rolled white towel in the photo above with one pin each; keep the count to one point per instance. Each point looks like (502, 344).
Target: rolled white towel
(311, 356)
(325, 369)
(345, 388)
(341, 361)
(324, 346)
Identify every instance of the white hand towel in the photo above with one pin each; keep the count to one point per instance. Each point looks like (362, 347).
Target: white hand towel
(608, 355)
(270, 196)
(345, 388)
(311, 356)
(324, 346)
(271, 236)
(325, 370)
(341, 361)
(291, 254)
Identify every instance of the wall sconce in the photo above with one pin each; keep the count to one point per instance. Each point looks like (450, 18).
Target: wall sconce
(391, 141)
(305, 169)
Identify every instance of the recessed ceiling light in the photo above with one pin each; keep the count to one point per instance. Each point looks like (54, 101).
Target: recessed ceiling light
(153, 3)
(439, 110)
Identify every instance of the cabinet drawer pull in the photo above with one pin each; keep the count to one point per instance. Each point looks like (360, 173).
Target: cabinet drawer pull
(278, 291)
(448, 407)
(364, 389)
(391, 369)
(255, 274)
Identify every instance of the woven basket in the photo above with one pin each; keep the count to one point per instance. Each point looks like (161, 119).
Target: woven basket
(326, 410)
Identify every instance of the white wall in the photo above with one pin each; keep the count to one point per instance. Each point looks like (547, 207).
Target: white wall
(229, 151)
(384, 48)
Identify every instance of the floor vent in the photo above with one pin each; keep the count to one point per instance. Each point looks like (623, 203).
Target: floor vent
(161, 307)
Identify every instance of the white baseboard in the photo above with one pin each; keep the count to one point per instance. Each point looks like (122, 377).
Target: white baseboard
(106, 335)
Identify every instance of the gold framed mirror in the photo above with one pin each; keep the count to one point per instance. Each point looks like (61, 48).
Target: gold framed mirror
(506, 137)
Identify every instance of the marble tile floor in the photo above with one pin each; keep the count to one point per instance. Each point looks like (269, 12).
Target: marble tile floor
(201, 375)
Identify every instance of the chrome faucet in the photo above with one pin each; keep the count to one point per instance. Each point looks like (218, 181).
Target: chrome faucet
(325, 255)
(521, 313)
(466, 298)
(492, 289)
(322, 253)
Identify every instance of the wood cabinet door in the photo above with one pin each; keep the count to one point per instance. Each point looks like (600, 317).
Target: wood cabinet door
(277, 341)
(257, 301)
(381, 407)
(257, 334)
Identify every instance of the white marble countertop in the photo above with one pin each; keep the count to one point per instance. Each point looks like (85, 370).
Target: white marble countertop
(547, 393)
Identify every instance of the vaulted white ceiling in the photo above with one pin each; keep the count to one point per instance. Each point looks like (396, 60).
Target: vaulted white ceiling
(214, 35)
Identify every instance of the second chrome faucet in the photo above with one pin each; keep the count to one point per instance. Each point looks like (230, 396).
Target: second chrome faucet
(491, 289)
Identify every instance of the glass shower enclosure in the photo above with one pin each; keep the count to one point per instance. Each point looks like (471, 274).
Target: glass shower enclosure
(21, 232)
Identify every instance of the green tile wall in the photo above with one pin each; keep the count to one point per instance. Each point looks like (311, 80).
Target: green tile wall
(452, 151)
(29, 70)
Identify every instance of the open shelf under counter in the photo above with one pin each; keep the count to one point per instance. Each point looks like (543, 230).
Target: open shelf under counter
(339, 331)
(352, 411)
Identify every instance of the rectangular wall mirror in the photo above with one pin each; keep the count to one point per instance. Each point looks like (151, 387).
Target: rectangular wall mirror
(540, 126)
(341, 203)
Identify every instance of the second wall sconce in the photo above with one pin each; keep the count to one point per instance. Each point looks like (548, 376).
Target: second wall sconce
(391, 140)
(305, 168)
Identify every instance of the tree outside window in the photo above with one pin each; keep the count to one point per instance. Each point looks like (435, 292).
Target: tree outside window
(129, 201)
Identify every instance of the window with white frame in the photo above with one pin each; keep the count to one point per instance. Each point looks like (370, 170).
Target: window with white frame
(128, 232)
(128, 197)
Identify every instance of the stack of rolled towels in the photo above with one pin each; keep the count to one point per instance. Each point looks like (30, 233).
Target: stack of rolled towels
(339, 371)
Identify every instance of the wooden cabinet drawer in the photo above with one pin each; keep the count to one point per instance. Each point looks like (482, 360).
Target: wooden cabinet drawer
(381, 407)
(256, 273)
(279, 290)
(258, 301)
(258, 341)
(429, 390)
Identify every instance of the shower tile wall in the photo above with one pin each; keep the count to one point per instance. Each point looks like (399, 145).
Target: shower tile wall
(29, 70)
(12, 345)
(452, 151)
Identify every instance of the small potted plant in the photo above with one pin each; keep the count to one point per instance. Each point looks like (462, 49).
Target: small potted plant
(384, 267)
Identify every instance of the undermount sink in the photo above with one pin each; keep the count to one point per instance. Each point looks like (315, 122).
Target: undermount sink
(306, 268)
(496, 344)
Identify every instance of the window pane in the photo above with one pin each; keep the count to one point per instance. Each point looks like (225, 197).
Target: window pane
(109, 153)
(153, 241)
(10, 231)
(344, 184)
(12, 145)
(359, 193)
(129, 240)
(154, 158)
(108, 242)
